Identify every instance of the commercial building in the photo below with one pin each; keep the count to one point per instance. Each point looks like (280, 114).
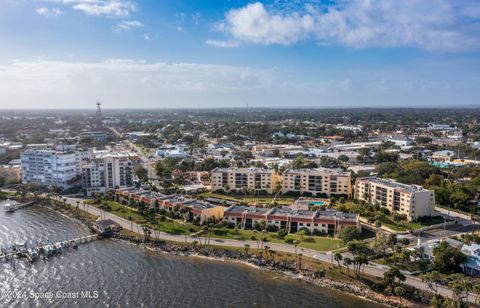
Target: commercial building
(324, 222)
(96, 136)
(412, 200)
(106, 172)
(50, 168)
(236, 179)
(318, 181)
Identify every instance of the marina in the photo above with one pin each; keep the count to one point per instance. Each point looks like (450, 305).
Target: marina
(20, 249)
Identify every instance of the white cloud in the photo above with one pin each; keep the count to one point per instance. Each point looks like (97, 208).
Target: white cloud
(222, 44)
(437, 25)
(146, 37)
(44, 11)
(118, 8)
(125, 83)
(128, 25)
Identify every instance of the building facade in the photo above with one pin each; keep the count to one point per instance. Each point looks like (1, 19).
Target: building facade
(317, 181)
(108, 172)
(238, 179)
(412, 200)
(50, 168)
(324, 222)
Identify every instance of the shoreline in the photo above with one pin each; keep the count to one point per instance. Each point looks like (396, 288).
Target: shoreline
(286, 268)
(362, 292)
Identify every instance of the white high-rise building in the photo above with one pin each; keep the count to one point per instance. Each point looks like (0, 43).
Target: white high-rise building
(107, 172)
(50, 168)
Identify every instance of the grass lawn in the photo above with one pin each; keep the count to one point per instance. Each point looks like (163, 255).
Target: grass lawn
(170, 226)
(312, 242)
(404, 225)
(282, 200)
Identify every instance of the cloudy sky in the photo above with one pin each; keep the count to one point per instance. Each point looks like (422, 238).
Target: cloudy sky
(278, 53)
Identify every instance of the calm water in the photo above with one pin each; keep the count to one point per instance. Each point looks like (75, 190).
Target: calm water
(125, 275)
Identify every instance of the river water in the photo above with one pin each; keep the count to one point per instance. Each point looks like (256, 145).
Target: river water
(112, 273)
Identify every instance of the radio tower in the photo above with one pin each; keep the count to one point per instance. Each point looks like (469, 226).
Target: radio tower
(99, 115)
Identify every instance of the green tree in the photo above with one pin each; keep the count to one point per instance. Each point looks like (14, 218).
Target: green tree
(390, 277)
(348, 234)
(338, 257)
(447, 259)
(400, 292)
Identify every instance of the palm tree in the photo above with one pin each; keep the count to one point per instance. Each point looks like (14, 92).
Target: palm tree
(272, 255)
(347, 261)
(295, 243)
(400, 292)
(247, 247)
(301, 233)
(227, 189)
(264, 233)
(476, 289)
(205, 231)
(255, 237)
(267, 249)
(338, 257)
(300, 261)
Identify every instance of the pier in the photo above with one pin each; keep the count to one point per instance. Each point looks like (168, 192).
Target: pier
(14, 207)
(20, 250)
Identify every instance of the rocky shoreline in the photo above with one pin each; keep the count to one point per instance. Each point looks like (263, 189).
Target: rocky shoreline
(288, 268)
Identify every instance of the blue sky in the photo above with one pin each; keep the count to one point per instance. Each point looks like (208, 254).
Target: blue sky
(148, 53)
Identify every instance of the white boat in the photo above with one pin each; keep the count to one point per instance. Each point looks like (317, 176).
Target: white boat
(8, 207)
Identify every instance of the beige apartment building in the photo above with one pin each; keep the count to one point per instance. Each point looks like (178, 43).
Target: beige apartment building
(412, 200)
(317, 181)
(236, 179)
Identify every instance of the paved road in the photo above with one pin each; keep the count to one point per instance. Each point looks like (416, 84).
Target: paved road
(371, 269)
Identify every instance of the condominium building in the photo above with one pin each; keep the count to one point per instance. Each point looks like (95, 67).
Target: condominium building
(236, 179)
(196, 210)
(412, 200)
(106, 172)
(326, 222)
(318, 181)
(50, 168)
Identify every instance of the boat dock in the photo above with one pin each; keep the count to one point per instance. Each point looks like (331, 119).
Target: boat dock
(20, 250)
(13, 207)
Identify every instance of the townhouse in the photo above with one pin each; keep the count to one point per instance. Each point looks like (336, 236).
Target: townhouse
(196, 210)
(326, 222)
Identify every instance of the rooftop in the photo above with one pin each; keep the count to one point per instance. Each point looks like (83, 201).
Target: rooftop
(393, 184)
(316, 170)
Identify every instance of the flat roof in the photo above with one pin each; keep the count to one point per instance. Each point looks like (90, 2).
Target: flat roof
(243, 170)
(314, 170)
(393, 184)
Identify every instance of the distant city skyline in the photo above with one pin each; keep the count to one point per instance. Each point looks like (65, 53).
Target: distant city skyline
(212, 54)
